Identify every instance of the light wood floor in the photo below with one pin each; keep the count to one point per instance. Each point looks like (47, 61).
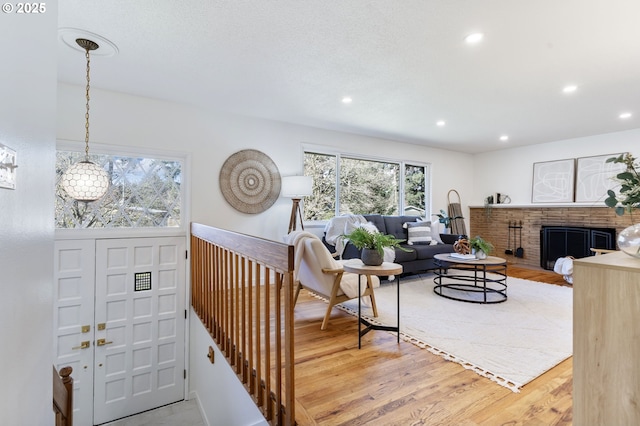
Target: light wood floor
(386, 383)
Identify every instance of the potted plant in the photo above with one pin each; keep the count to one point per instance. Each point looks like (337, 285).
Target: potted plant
(626, 201)
(445, 219)
(629, 180)
(480, 247)
(372, 244)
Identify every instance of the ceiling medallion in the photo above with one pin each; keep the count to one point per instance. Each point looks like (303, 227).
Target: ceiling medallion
(250, 181)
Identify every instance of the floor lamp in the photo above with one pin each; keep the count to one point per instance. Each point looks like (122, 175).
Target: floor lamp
(296, 187)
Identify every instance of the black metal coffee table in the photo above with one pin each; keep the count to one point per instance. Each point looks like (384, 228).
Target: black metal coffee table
(471, 280)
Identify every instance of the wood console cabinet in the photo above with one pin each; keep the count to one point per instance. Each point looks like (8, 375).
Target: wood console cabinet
(606, 340)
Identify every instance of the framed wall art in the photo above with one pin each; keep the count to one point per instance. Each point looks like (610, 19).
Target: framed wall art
(8, 167)
(553, 181)
(594, 177)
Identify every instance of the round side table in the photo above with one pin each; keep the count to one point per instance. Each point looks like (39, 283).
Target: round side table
(355, 266)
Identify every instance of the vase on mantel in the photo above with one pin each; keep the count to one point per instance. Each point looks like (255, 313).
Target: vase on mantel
(629, 240)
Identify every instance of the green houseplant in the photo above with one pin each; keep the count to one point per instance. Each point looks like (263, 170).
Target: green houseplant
(627, 201)
(481, 247)
(629, 197)
(372, 244)
(445, 219)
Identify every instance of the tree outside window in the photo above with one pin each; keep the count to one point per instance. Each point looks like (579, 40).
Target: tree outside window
(144, 192)
(364, 186)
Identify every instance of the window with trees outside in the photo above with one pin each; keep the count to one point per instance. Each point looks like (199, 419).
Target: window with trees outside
(144, 192)
(344, 184)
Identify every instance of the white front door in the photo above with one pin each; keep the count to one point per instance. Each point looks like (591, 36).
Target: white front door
(119, 321)
(74, 271)
(140, 323)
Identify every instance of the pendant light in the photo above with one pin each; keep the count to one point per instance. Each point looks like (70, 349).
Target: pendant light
(86, 181)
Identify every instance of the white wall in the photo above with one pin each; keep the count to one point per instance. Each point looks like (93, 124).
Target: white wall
(27, 125)
(210, 138)
(222, 398)
(510, 171)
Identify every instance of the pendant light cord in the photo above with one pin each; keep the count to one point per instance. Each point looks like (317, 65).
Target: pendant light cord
(86, 115)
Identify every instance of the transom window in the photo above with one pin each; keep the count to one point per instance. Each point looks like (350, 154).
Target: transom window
(144, 192)
(346, 184)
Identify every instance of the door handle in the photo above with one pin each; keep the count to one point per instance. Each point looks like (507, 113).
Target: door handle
(83, 345)
(102, 342)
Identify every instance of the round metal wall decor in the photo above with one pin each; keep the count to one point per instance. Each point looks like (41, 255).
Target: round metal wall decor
(250, 181)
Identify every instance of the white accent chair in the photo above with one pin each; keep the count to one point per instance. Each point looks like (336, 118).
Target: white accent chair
(318, 272)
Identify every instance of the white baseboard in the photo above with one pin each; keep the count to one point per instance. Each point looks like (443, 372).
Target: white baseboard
(194, 395)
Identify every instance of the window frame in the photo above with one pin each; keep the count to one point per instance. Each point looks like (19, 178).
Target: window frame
(185, 187)
(312, 149)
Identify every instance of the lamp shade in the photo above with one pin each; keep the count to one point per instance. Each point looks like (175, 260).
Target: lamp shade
(85, 181)
(297, 186)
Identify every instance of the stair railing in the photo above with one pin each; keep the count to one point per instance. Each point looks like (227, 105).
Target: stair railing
(242, 290)
(63, 396)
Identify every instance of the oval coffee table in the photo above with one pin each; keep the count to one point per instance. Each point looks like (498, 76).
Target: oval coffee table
(355, 266)
(471, 280)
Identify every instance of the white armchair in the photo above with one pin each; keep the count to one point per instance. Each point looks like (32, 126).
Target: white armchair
(317, 271)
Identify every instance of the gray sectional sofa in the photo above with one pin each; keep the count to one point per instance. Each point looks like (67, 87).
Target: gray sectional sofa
(419, 258)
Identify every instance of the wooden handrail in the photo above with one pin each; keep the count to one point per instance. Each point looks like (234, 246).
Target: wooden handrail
(242, 291)
(63, 396)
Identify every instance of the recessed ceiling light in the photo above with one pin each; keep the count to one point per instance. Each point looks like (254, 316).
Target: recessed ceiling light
(569, 88)
(625, 115)
(504, 138)
(474, 38)
(347, 100)
(440, 123)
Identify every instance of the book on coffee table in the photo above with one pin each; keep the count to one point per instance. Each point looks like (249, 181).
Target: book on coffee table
(462, 256)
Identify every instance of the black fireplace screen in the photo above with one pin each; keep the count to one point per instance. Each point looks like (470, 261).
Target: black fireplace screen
(562, 241)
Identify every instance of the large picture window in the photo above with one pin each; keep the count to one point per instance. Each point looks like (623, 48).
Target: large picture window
(346, 184)
(144, 192)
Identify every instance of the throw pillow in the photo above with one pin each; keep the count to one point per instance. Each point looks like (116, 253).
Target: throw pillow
(435, 230)
(418, 232)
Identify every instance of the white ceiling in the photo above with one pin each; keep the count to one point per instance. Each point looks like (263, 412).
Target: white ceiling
(404, 63)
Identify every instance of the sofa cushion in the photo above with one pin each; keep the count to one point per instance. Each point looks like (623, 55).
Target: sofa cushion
(395, 225)
(427, 252)
(406, 256)
(418, 233)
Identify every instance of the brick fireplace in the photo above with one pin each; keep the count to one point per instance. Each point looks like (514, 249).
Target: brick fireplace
(493, 225)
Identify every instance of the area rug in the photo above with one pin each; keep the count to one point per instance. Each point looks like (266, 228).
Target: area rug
(510, 343)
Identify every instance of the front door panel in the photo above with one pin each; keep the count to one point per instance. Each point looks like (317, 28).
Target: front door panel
(140, 323)
(74, 277)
